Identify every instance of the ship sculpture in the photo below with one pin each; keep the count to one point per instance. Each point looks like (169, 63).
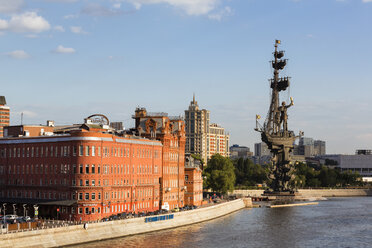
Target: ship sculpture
(275, 133)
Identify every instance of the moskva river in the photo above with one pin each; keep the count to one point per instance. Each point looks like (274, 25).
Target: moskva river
(337, 222)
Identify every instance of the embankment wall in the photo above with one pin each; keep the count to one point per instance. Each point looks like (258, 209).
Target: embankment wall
(113, 229)
(315, 192)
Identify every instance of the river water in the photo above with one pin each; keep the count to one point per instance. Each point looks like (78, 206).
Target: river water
(337, 222)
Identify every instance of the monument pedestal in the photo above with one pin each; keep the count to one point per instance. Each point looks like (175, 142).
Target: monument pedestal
(285, 197)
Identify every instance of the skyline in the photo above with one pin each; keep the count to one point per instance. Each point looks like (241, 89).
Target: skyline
(66, 59)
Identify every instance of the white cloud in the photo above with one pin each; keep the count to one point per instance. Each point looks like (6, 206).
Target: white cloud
(18, 54)
(77, 30)
(218, 16)
(62, 49)
(117, 5)
(95, 9)
(10, 6)
(59, 28)
(25, 23)
(191, 7)
(72, 16)
(62, 1)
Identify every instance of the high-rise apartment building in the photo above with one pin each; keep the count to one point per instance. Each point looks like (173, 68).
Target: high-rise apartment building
(4, 115)
(197, 129)
(203, 138)
(218, 141)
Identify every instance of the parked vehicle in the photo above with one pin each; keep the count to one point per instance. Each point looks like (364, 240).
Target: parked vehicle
(11, 217)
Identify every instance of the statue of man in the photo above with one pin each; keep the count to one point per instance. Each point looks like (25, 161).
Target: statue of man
(283, 114)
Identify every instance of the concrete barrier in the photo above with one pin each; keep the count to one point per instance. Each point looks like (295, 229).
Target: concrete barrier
(63, 236)
(314, 192)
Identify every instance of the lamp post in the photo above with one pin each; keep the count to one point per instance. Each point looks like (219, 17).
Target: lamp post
(4, 208)
(14, 209)
(24, 210)
(36, 211)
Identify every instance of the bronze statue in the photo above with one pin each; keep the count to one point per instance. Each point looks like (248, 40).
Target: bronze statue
(283, 114)
(275, 132)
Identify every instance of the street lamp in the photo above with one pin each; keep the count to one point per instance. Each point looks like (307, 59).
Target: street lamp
(24, 210)
(4, 208)
(36, 211)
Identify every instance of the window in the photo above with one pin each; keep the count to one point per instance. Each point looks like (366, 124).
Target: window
(81, 151)
(93, 169)
(86, 182)
(93, 183)
(93, 151)
(86, 210)
(93, 196)
(74, 150)
(99, 169)
(99, 196)
(81, 182)
(87, 168)
(92, 210)
(74, 168)
(81, 169)
(86, 196)
(99, 151)
(87, 151)
(80, 196)
(80, 210)
(73, 182)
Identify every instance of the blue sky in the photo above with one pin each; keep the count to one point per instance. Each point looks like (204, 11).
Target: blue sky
(66, 59)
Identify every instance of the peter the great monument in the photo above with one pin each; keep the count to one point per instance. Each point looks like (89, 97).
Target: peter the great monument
(276, 135)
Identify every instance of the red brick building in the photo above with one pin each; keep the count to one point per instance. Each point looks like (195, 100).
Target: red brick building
(86, 173)
(4, 115)
(193, 182)
(171, 132)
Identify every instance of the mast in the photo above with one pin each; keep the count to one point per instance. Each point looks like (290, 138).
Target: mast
(277, 84)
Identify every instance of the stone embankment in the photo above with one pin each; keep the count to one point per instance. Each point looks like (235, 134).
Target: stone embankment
(314, 192)
(114, 229)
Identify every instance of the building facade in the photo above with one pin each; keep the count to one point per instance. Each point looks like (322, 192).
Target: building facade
(197, 130)
(86, 174)
(202, 138)
(4, 115)
(360, 163)
(193, 182)
(218, 141)
(170, 131)
(237, 151)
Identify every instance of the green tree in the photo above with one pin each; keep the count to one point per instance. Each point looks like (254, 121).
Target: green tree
(220, 175)
(249, 174)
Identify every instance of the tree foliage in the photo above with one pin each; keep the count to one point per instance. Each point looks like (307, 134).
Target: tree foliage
(249, 174)
(323, 176)
(220, 175)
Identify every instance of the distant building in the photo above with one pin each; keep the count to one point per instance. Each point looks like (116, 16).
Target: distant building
(307, 147)
(261, 149)
(363, 152)
(203, 138)
(319, 147)
(197, 129)
(193, 182)
(237, 151)
(4, 115)
(355, 163)
(118, 126)
(218, 141)
(28, 131)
